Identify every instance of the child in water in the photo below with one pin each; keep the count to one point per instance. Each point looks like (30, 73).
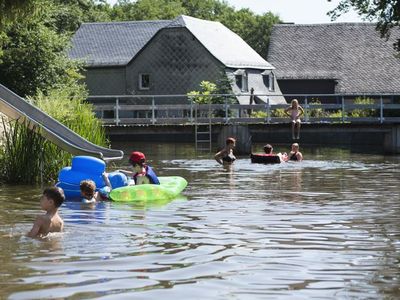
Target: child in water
(295, 154)
(225, 156)
(51, 200)
(88, 191)
(269, 151)
(294, 111)
(142, 173)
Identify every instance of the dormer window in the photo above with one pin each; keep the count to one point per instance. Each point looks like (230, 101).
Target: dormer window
(241, 80)
(269, 80)
(144, 81)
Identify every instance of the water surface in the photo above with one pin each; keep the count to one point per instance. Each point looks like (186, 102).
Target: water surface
(326, 228)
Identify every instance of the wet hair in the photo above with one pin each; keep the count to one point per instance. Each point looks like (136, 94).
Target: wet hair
(56, 194)
(88, 188)
(230, 140)
(268, 148)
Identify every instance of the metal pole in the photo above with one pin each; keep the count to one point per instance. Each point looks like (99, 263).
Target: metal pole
(306, 109)
(268, 111)
(381, 110)
(226, 110)
(343, 110)
(116, 111)
(153, 115)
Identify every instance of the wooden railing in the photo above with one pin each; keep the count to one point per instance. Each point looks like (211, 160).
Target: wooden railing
(152, 110)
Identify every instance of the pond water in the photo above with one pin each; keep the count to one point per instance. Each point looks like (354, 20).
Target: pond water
(325, 228)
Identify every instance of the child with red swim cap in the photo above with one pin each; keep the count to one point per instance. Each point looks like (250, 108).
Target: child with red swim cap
(142, 173)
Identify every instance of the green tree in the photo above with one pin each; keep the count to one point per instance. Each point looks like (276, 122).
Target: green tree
(34, 58)
(15, 10)
(254, 29)
(125, 10)
(385, 12)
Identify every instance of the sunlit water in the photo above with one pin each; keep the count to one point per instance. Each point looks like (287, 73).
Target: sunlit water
(326, 228)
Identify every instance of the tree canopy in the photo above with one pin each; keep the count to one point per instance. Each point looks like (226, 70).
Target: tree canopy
(385, 12)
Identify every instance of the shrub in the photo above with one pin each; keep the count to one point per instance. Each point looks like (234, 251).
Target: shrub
(365, 112)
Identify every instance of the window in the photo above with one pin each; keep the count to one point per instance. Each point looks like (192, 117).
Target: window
(144, 81)
(269, 80)
(241, 80)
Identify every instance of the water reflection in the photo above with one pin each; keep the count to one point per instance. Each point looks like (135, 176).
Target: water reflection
(323, 228)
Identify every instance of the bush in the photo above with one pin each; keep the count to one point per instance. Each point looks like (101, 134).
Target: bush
(365, 112)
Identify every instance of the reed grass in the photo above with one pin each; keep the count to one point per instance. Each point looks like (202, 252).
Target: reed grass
(27, 158)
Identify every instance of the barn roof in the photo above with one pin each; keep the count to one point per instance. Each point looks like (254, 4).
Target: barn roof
(352, 53)
(117, 43)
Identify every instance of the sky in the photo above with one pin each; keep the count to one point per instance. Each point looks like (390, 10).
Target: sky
(297, 11)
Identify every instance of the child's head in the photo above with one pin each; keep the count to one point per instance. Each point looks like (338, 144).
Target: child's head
(137, 158)
(230, 141)
(295, 103)
(54, 194)
(268, 149)
(295, 147)
(88, 188)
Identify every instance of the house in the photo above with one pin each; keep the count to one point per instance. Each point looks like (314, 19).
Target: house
(336, 58)
(169, 58)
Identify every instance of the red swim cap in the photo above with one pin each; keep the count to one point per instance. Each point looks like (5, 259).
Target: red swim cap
(137, 157)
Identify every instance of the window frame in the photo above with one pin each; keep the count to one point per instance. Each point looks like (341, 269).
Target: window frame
(141, 86)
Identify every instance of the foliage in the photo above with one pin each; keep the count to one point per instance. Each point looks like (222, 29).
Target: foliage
(259, 114)
(254, 29)
(34, 59)
(385, 12)
(20, 154)
(26, 155)
(15, 10)
(207, 88)
(316, 112)
(363, 112)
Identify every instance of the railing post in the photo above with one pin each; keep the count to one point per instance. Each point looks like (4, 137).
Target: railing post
(268, 111)
(381, 118)
(306, 117)
(226, 110)
(191, 110)
(153, 114)
(343, 110)
(116, 111)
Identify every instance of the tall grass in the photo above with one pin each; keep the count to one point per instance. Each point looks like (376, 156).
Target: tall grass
(27, 158)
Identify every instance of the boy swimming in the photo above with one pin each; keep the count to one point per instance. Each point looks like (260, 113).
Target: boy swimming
(50, 201)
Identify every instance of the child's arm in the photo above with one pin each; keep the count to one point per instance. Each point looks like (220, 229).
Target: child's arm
(301, 111)
(286, 111)
(35, 228)
(106, 180)
(127, 173)
(218, 156)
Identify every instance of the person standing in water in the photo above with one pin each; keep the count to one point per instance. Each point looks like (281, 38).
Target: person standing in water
(226, 156)
(295, 154)
(294, 111)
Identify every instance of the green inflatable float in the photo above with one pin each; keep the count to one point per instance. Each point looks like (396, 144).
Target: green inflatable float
(169, 187)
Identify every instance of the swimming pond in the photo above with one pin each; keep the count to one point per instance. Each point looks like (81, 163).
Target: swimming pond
(324, 228)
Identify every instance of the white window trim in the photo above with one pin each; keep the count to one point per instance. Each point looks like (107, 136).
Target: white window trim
(271, 87)
(243, 74)
(140, 82)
